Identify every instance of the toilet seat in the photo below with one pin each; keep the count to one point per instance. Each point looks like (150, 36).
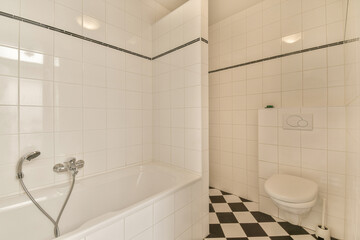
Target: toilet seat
(291, 190)
(296, 205)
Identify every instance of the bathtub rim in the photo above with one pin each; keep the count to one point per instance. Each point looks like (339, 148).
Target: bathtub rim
(64, 185)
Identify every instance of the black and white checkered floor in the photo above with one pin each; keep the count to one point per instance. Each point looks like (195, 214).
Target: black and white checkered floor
(235, 218)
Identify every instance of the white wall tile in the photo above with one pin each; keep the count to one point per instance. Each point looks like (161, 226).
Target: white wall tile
(36, 65)
(9, 65)
(9, 119)
(95, 8)
(8, 91)
(336, 162)
(34, 38)
(9, 30)
(68, 119)
(266, 169)
(315, 59)
(43, 142)
(11, 184)
(77, 5)
(45, 14)
(290, 156)
(289, 138)
(10, 6)
(268, 153)
(61, 47)
(314, 139)
(336, 117)
(36, 119)
(314, 159)
(337, 139)
(67, 95)
(68, 19)
(10, 149)
(68, 71)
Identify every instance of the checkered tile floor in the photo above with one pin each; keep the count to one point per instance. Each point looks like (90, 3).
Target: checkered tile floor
(235, 218)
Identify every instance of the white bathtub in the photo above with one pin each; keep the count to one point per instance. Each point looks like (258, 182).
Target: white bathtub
(111, 199)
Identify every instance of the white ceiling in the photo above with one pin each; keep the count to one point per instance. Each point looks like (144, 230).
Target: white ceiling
(218, 9)
(221, 9)
(171, 4)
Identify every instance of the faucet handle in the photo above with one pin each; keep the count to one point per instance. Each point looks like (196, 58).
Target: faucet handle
(59, 168)
(80, 163)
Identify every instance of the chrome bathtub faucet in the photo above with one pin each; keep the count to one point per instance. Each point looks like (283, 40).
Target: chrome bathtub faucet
(71, 166)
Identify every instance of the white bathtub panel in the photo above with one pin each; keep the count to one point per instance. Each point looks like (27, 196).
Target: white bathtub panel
(185, 236)
(138, 222)
(164, 230)
(182, 197)
(163, 208)
(114, 231)
(182, 220)
(145, 235)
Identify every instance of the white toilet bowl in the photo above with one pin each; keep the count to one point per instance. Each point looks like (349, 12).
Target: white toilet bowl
(292, 194)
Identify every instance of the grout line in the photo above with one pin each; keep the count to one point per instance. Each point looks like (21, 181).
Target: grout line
(53, 109)
(20, 190)
(287, 54)
(82, 109)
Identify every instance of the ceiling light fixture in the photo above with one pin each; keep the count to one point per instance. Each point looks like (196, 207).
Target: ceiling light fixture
(292, 38)
(88, 22)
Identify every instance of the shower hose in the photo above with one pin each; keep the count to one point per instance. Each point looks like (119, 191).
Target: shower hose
(56, 223)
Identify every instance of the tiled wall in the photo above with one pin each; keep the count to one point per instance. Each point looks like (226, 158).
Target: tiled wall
(180, 89)
(91, 95)
(318, 154)
(180, 92)
(68, 97)
(352, 82)
(177, 216)
(293, 78)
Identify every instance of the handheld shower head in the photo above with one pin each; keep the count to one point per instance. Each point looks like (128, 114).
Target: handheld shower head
(30, 156)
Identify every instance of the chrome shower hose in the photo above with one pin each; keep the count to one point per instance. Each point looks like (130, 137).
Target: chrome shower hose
(56, 223)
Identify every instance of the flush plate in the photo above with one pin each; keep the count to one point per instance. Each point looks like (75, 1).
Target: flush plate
(298, 121)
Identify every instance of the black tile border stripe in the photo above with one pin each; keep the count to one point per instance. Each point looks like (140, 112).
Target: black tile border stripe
(181, 46)
(8, 15)
(177, 48)
(287, 54)
(204, 40)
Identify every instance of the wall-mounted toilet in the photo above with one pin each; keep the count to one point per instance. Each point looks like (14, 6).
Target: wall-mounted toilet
(292, 194)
